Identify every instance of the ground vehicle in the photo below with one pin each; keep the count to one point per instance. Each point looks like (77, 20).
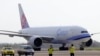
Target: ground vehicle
(25, 50)
(7, 51)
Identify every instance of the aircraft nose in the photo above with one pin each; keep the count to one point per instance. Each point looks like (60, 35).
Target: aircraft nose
(87, 35)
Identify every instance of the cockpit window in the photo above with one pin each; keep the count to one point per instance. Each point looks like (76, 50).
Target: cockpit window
(84, 32)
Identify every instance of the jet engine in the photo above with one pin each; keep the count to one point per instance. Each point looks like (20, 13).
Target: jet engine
(89, 43)
(35, 41)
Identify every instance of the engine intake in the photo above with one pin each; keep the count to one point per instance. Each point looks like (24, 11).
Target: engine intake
(89, 43)
(35, 41)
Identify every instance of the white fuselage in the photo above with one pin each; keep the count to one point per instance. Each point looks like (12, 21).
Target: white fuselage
(60, 34)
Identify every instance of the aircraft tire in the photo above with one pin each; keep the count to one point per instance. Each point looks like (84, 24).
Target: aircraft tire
(63, 48)
(81, 48)
(37, 49)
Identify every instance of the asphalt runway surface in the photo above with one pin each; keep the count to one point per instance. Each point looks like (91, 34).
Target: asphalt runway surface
(66, 53)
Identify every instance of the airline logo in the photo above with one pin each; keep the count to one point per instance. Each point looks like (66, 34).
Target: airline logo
(24, 22)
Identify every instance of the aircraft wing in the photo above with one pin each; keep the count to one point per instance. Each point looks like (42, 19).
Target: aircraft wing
(45, 39)
(8, 31)
(16, 34)
(95, 33)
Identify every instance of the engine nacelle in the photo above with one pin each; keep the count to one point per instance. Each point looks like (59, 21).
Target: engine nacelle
(35, 41)
(89, 43)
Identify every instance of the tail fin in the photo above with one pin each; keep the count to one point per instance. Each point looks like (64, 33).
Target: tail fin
(24, 23)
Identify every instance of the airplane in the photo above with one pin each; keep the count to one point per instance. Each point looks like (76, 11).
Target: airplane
(36, 36)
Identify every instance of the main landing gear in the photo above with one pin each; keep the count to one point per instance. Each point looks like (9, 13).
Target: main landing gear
(63, 47)
(37, 49)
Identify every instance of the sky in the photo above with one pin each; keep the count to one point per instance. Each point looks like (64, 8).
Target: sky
(43, 13)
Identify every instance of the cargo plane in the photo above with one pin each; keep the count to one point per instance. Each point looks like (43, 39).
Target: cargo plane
(36, 36)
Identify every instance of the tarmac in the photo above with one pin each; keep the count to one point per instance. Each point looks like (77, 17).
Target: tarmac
(66, 53)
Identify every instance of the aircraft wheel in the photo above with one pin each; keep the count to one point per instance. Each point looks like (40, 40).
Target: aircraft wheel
(81, 48)
(37, 49)
(63, 48)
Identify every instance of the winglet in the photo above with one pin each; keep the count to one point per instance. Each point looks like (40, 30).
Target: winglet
(24, 23)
